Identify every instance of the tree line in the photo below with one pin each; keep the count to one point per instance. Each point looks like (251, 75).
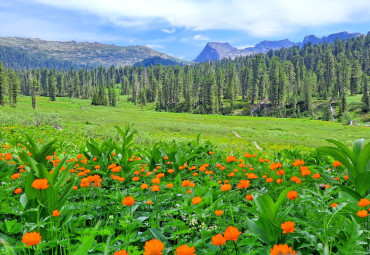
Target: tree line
(285, 80)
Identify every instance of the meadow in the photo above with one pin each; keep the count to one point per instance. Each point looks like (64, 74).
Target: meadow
(129, 180)
(153, 126)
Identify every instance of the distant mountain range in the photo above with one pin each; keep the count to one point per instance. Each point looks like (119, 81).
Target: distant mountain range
(216, 51)
(25, 53)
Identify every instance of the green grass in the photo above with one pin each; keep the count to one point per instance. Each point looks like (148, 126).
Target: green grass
(272, 133)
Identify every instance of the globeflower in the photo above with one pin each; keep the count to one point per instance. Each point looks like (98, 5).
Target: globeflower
(231, 234)
(225, 187)
(243, 184)
(18, 191)
(281, 249)
(185, 250)
(337, 163)
(218, 240)
(231, 158)
(56, 213)
(362, 214)
(153, 247)
(249, 197)
(292, 195)
(121, 252)
(31, 238)
(219, 212)
(364, 202)
(196, 200)
(288, 227)
(128, 201)
(40, 183)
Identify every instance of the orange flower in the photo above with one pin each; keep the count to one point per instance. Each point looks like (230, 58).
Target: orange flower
(364, 202)
(249, 197)
(281, 249)
(153, 247)
(56, 213)
(232, 234)
(226, 187)
(8, 156)
(292, 195)
(16, 176)
(121, 252)
(144, 186)
(18, 191)
(334, 205)
(188, 191)
(274, 165)
(269, 180)
(149, 202)
(156, 180)
(251, 176)
(231, 158)
(280, 172)
(210, 153)
(219, 212)
(316, 176)
(155, 188)
(74, 187)
(185, 250)
(298, 162)
(128, 201)
(169, 185)
(288, 227)
(337, 163)
(40, 183)
(31, 238)
(196, 200)
(218, 240)
(243, 184)
(362, 213)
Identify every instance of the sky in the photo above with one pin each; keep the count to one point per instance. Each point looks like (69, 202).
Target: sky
(181, 28)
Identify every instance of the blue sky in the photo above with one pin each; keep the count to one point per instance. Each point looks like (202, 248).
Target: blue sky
(181, 28)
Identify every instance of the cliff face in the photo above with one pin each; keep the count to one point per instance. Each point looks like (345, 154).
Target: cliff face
(330, 38)
(216, 51)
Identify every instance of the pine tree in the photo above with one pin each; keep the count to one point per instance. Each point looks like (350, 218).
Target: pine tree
(365, 98)
(34, 87)
(13, 87)
(52, 87)
(2, 85)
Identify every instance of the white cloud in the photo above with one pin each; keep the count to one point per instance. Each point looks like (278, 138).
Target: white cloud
(243, 47)
(158, 46)
(200, 38)
(173, 30)
(257, 18)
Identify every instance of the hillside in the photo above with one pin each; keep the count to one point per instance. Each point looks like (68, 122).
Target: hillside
(217, 51)
(25, 53)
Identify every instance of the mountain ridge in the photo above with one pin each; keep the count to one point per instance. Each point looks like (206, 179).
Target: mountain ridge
(225, 50)
(79, 54)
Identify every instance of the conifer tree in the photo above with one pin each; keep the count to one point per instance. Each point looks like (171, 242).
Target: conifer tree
(2, 85)
(366, 97)
(13, 87)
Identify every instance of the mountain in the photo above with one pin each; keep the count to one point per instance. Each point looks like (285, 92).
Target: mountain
(216, 51)
(36, 53)
(329, 39)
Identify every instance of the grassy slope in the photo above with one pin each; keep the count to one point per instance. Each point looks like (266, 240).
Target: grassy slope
(267, 132)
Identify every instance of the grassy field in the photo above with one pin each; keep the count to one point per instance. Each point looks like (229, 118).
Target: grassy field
(270, 133)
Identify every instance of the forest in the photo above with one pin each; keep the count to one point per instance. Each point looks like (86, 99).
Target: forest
(281, 83)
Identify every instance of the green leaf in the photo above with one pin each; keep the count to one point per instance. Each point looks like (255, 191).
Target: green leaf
(362, 182)
(85, 246)
(363, 162)
(158, 235)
